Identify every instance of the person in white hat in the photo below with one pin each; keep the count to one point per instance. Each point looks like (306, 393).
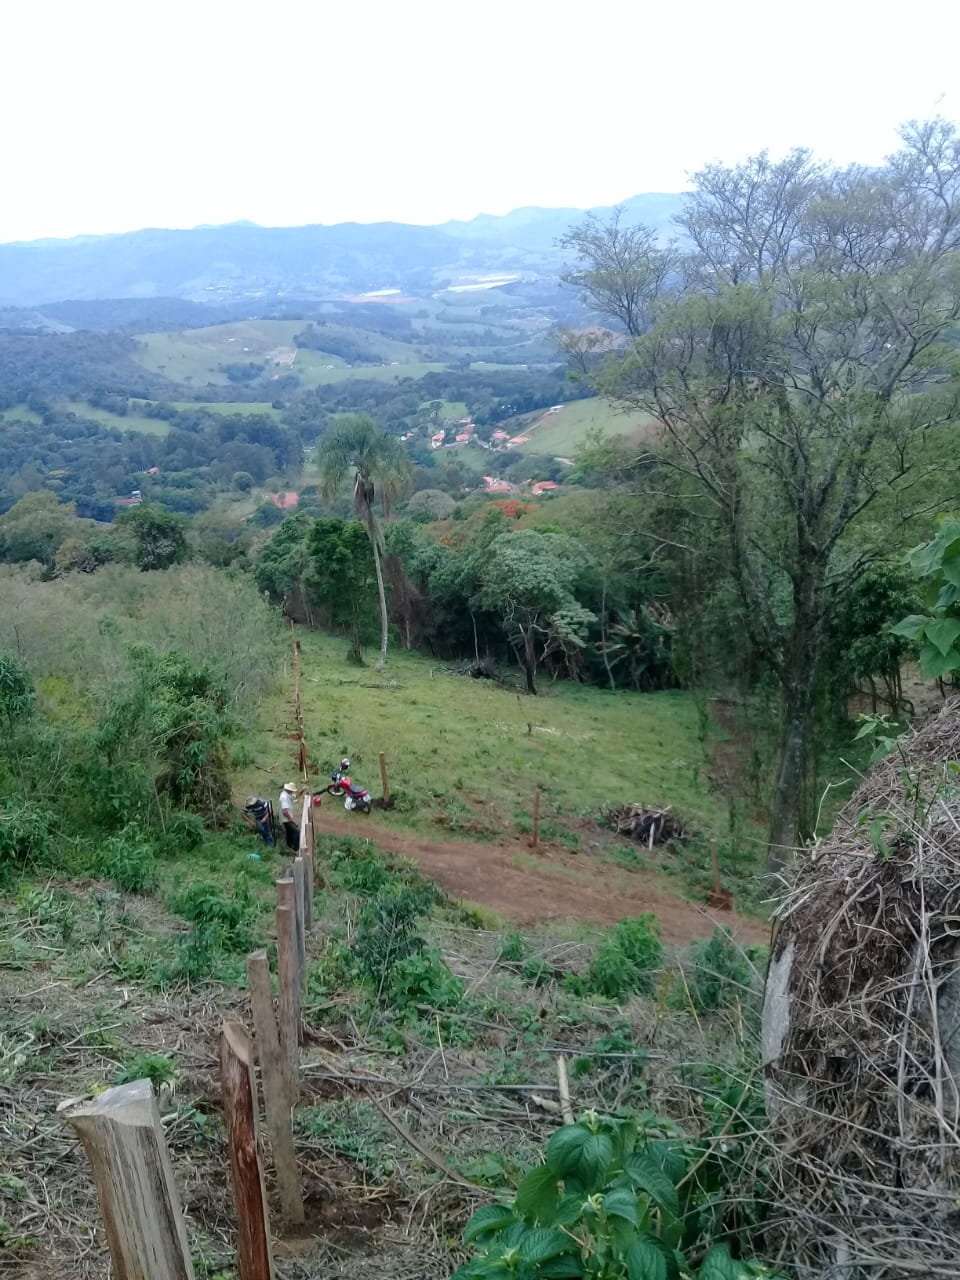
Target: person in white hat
(288, 815)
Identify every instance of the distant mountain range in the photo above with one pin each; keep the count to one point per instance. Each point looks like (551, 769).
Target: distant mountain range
(241, 261)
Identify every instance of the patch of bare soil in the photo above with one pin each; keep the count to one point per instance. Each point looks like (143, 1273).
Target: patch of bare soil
(533, 887)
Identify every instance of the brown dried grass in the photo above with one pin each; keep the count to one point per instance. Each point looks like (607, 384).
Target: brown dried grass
(863, 1089)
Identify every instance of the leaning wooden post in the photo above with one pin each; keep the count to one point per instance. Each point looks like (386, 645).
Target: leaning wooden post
(314, 824)
(306, 853)
(384, 779)
(239, 1087)
(307, 889)
(276, 1098)
(299, 896)
(123, 1138)
(715, 862)
(289, 1002)
(535, 838)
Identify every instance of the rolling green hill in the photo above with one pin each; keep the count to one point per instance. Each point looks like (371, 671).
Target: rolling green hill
(198, 356)
(561, 434)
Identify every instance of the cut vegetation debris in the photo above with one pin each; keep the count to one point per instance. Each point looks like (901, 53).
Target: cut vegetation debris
(862, 1025)
(646, 826)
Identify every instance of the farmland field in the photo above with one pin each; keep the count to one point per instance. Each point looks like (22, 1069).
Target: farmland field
(229, 406)
(563, 433)
(197, 356)
(131, 421)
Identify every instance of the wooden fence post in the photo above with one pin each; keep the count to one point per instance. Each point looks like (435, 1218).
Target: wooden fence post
(384, 779)
(276, 1097)
(299, 896)
(288, 1004)
(306, 853)
(308, 890)
(239, 1086)
(535, 838)
(123, 1138)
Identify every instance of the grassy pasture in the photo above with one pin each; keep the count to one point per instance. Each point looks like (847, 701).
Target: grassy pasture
(561, 434)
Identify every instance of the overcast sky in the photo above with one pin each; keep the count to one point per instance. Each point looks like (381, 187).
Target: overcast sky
(166, 113)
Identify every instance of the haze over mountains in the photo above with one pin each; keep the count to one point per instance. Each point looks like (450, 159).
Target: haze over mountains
(243, 261)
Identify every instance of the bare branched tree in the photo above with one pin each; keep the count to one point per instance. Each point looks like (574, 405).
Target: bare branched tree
(804, 378)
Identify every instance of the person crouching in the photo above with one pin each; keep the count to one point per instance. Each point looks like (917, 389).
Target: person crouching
(258, 817)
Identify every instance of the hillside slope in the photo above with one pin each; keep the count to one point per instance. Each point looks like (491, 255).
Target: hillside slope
(465, 759)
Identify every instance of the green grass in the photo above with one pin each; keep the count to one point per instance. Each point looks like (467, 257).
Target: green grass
(131, 421)
(196, 355)
(229, 406)
(452, 741)
(452, 409)
(20, 413)
(561, 434)
(311, 371)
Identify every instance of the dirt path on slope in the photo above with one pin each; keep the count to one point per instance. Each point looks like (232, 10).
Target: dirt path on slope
(551, 884)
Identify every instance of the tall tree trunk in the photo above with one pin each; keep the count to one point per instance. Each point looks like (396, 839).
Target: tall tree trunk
(530, 660)
(384, 623)
(603, 631)
(785, 816)
(799, 687)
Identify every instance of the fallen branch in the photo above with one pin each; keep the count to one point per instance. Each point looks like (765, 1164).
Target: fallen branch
(429, 1155)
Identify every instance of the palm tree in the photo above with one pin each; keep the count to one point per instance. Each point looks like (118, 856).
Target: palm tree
(379, 465)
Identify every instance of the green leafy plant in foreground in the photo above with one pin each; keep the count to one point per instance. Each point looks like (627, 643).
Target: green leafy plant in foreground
(615, 1200)
(937, 632)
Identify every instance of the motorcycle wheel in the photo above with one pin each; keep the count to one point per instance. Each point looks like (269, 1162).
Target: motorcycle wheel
(335, 791)
(366, 806)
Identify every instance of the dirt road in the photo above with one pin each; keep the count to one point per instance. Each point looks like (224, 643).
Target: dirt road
(551, 884)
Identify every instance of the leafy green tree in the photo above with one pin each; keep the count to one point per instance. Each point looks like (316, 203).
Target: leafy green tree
(430, 504)
(937, 631)
(529, 580)
(803, 382)
(36, 526)
(621, 269)
(340, 577)
(862, 640)
(173, 717)
(379, 466)
(160, 535)
(284, 564)
(242, 481)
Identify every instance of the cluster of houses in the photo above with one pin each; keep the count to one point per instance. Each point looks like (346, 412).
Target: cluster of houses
(494, 484)
(465, 432)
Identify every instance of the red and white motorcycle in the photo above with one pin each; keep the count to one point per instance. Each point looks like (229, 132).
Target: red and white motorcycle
(355, 797)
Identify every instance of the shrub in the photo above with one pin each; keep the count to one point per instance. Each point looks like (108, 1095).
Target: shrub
(625, 960)
(424, 979)
(24, 835)
(537, 972)
(184, 832)
(227, 920)
(128, 859)
(386, 933)
(155, 1067)
(720, 974)
(513, 949)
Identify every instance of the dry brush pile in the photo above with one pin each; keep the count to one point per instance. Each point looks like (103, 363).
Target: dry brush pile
(861, 1033)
